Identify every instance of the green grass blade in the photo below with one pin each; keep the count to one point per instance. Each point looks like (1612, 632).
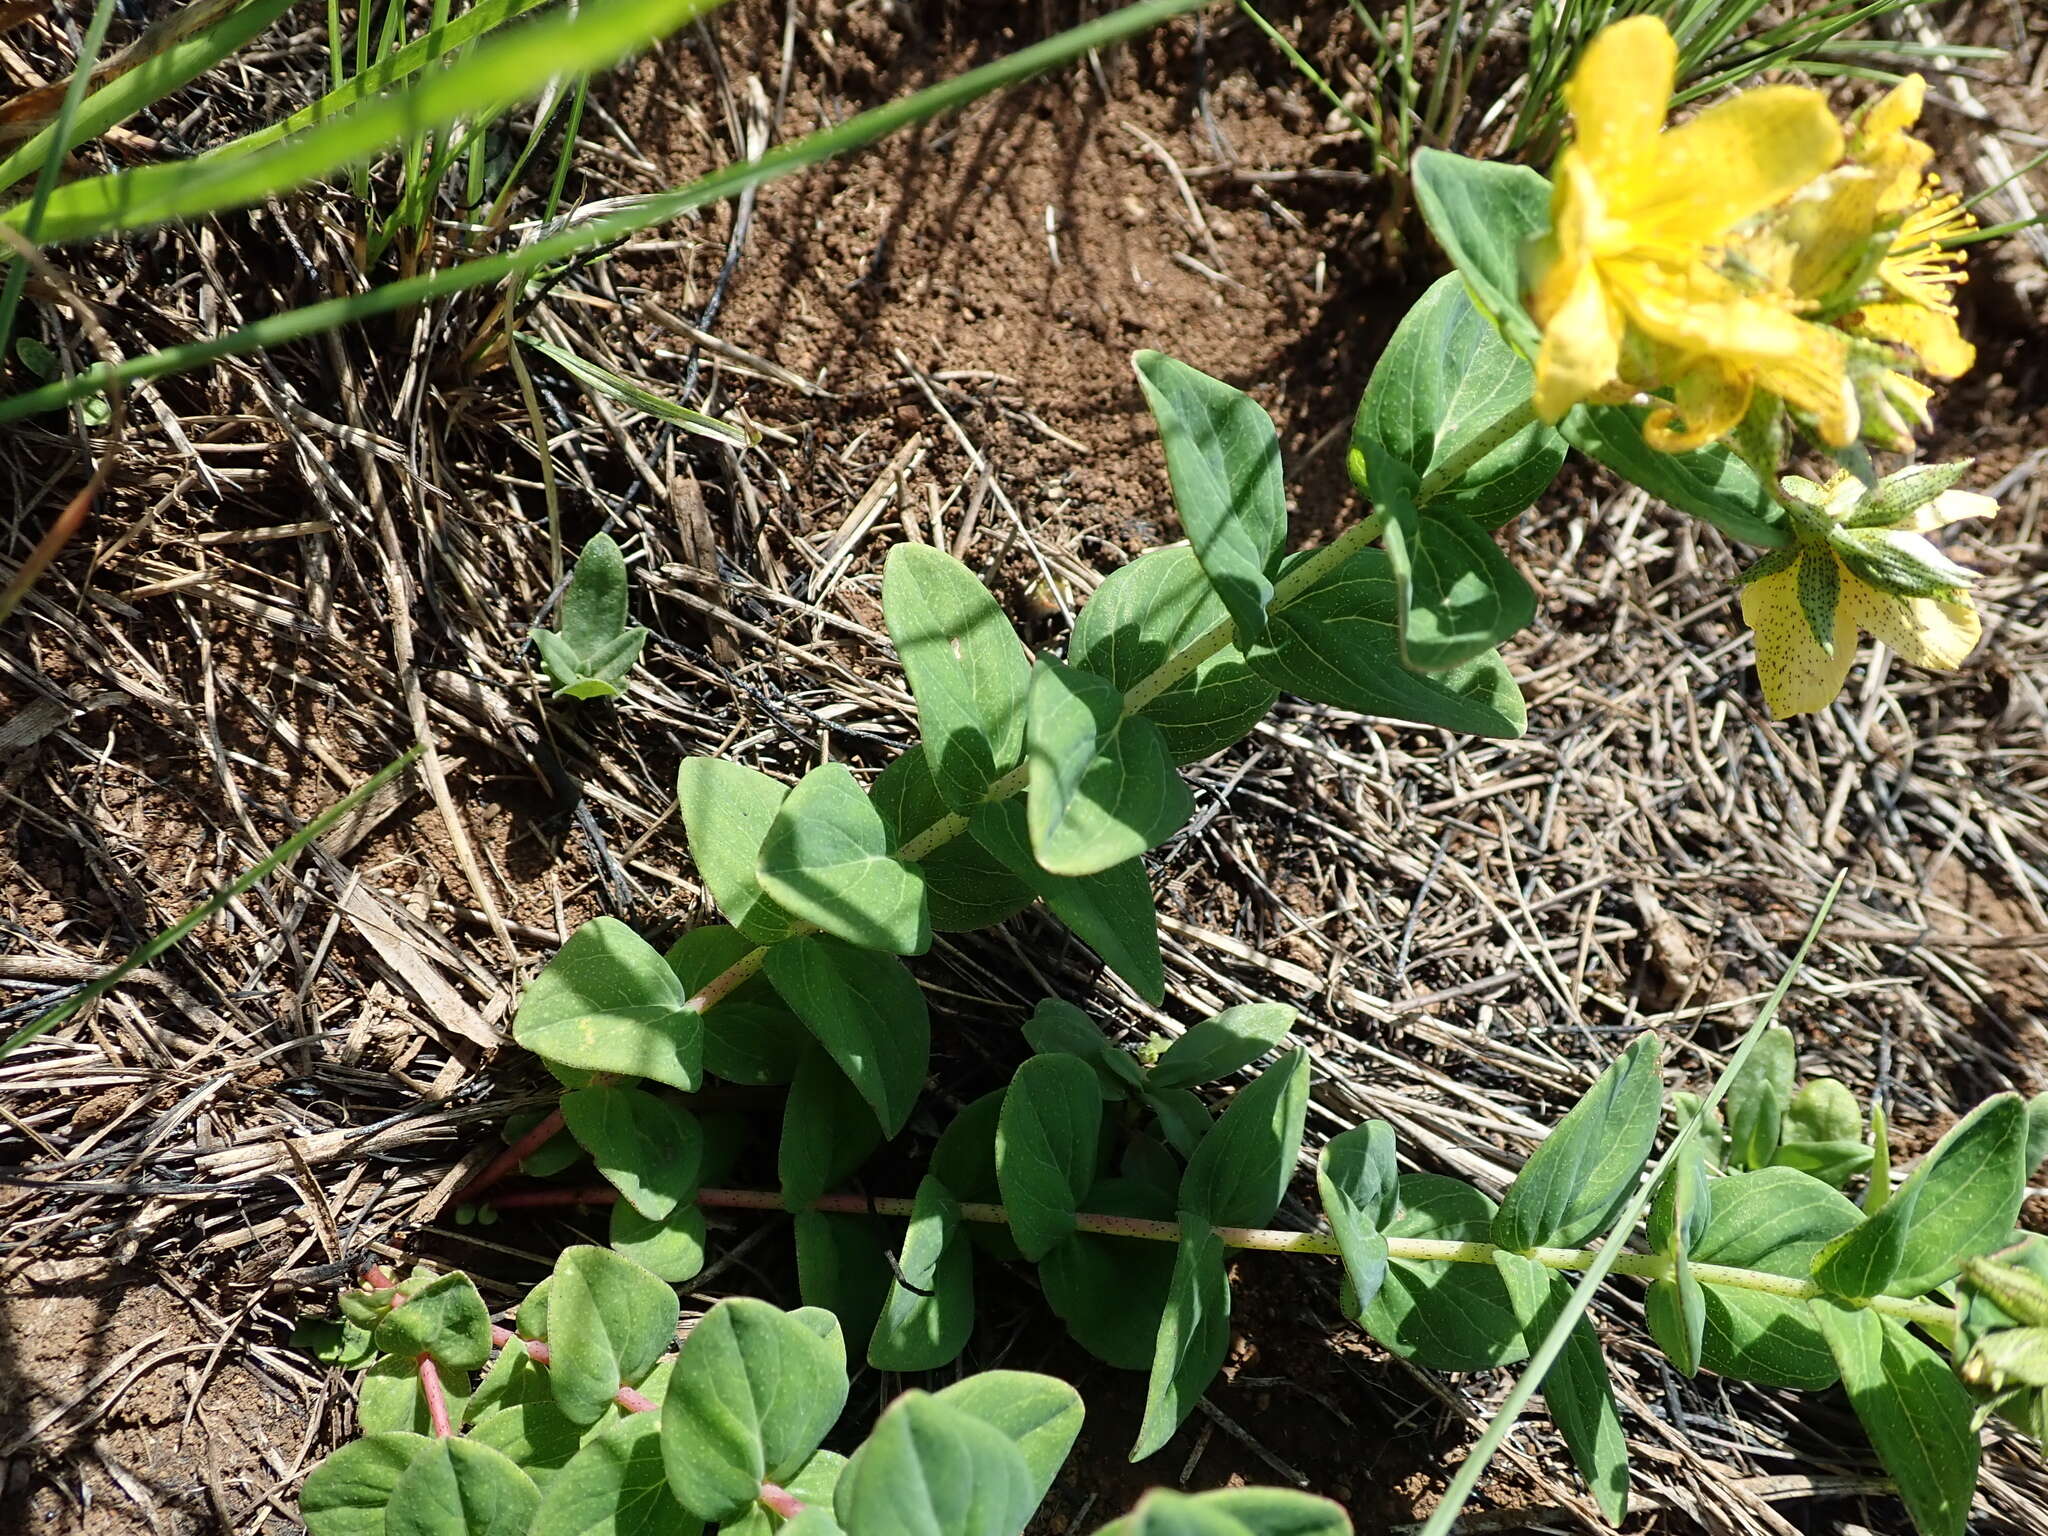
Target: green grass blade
(177, 933)
(120, 99)
(504, 70)
(1444, 1518)
(855, 133)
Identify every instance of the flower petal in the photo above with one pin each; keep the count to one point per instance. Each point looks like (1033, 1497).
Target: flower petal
(1581, 350)
(1708, 401)
(1619, 93)
(1930, 334)
(1927, 632)
(1798, 677)
(1952, 507)
(1731, 162)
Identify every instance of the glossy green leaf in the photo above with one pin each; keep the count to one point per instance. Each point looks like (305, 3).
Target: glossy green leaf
(1918, 1416)
(929, 1311)
(1360, 1186)
(1059, 1027)
(616, 1485)
(1111, 1291)
(670, 1248)
(1112, 913)
(608, 1002)
(842, 1267)
(1711, 483)
(828, 1130)
(1340, 644)
(934, 1469)
(1582, 1173)
(1223, 459)
(649, 1150)
(1449, 1317)
(727, 809)
(966, 887)
(753, 1392)
(827, 858)
(1775, 1220)
(1218, 1046)
(536, 1437)
(751, 1036)
(1965, 1195)
(1154, 608)
(866, 1010)
(1483, 213)
(347, 1493)
(388, 1398)
(1194, 1336)
(461, 1488)
(1232, 1512)
(1240, 1173)
(1103, 787)
(445, 1318)
(1438, 389)
(1039, 1415)
(966, 666)
(608, 1321)
(1045, 1148)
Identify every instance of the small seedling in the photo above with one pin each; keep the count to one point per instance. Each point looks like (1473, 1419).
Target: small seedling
(590, 655)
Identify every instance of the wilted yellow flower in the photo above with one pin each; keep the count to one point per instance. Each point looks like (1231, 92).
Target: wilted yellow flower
(1860, 561)
(1629, 295)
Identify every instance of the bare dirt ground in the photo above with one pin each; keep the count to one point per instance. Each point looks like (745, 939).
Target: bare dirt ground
(342, 548)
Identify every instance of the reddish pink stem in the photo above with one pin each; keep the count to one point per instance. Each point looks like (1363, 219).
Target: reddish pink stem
(509, 1159)
(781, 1501)
(537, 1351)
(437, 1400)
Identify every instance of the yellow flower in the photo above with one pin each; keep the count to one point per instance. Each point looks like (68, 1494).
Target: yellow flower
(1861, 563)
(1629, 296)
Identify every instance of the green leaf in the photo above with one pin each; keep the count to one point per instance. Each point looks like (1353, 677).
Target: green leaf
(842, 1268)
(1232, 1512)
(1582, 1173)
(1775, 1220)
(727, 810)
(389, 1398)
(616, 1486)
(751, 1036)
(671, 1248)
(1918, 1416)
(649, 1150)
(1449, 1317)
(536, 1437)
(1758, 1097)
(1824, 1110)
(1580, 1395)
(1360, 1188)
(1483, 213)
(753, 1392)
(828, 1130)
(1194, 1335)
(1966, 1195)
(1339, 643)
(1182, 1117)
(1057, 1027)
(608, 1322)
(594, 606)
(1440, 387)
(813, 1487)
(1112, 913)
(497, 72)
(1711, 483)
(930, 1308)
(1154, 608)
(1679, 1217)
(964, 1159)
(1458, 594)
(1832, 1162)
(347, 1493)
(826, 857)
(966, 886)
(608, 1002)
(461, 1488)
(445, 1318)
(1218, 1046)
(1039, 1415)
(1223, 458)
(635, 395)
(1045, 1149)
(1111, 1291)
(1103, 787)
(934, 1469)
(1239, 1174)
(867, 1011)
(967, 669)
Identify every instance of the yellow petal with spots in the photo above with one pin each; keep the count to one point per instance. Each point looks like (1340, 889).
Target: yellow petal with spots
(1619, 92)
(1927, 632)
(1798, 677)
(1931, 335)
(1708, 401)
(1951, 507)
(1581, 351)
(1731, 162)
